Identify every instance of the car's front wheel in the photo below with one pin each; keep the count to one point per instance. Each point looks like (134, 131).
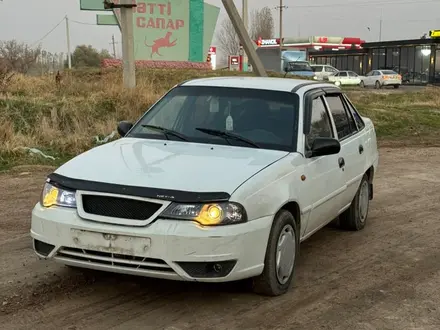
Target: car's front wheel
(362, 84)
(355, 217)
(281, 256)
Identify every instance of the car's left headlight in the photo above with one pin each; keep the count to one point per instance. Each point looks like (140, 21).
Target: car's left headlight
(209, 214)
(54, 196)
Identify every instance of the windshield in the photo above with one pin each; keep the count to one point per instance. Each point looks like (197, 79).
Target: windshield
(299, 66)
(266, 118)
(317, 68)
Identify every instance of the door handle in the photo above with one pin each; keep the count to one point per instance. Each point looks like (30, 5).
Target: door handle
(341, 162)
(361, 149)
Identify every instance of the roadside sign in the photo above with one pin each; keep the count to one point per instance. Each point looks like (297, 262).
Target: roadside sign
(434, 34)
(106, 19)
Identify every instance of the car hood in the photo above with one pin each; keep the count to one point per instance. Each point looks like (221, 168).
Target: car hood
(170, 165)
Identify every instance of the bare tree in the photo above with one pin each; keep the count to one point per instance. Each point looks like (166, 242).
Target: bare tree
(18, 57)
(6, 75)
(262, 24)
(228, 41)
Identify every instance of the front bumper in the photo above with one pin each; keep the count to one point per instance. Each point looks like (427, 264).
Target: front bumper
(168, 249)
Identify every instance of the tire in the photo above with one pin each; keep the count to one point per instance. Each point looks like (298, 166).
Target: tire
(269, 283)
(355, 217)
(377, 85)
(362, 85)
(396, 86)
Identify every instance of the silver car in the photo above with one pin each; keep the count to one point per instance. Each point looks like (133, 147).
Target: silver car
(381, 78)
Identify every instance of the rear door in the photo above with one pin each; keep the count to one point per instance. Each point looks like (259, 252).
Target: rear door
(354, 78)
(352, 145)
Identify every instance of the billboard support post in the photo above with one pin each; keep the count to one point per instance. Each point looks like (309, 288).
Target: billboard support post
(129, 70)
(243, 35)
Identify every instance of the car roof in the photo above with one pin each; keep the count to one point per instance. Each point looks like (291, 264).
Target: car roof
(267, 83)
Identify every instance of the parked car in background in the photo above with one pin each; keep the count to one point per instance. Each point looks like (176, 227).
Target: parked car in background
(381, 78)
(345, 78)
(299, 68)
(323, 71)
(220, 180)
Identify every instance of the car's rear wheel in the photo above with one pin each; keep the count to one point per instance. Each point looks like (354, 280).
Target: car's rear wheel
(396, 86)
(355, 217)
(281, 256)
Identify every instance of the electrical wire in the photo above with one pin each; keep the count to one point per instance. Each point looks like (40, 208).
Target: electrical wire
(50, 31)
(82, 23)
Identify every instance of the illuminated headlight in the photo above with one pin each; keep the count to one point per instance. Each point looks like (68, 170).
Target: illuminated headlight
(53, 196)
(211, 214)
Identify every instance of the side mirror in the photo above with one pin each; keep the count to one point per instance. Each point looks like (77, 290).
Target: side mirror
(124, 127)
(323, 146)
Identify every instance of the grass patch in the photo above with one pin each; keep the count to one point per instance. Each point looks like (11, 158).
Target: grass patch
(63, 122)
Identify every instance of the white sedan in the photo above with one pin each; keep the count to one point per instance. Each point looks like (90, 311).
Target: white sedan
(219, 181)
(345, 78)
(381, 78)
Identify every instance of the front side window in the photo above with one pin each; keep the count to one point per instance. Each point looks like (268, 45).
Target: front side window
(203, 114)
(320, 123)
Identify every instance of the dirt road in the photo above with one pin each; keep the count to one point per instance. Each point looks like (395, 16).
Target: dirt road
(385, 277)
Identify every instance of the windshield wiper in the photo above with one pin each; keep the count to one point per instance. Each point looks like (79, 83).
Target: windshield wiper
(167, 132)
(227, 135)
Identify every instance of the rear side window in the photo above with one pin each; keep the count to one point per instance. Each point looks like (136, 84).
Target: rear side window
(344, 122)
(357, 117)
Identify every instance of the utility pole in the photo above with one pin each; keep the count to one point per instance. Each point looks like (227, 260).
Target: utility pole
(129, 69)
(246, 25)
(113, 43)
(248, 45)
(69, 55)
(380, 25)
(281, 7)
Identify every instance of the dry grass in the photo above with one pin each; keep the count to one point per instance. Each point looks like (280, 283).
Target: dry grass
(63, 121)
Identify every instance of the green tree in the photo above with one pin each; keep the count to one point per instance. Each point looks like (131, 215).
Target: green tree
(87, 56)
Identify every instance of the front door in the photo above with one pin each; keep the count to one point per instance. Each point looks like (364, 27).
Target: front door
(325, 182)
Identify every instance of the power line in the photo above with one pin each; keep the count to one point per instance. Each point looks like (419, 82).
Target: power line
(82, 23)
(398, 2)
(50, 31)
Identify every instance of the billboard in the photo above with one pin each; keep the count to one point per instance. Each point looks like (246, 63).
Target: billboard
(166, 30)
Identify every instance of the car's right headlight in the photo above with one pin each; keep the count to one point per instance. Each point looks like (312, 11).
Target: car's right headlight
(209, 214)
(54, 196)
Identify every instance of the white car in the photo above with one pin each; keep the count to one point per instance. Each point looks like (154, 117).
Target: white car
(345, 78)
(220, 180)
(381, 78)
(323, 71)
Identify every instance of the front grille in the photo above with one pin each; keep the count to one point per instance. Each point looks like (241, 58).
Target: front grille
(113, 259)
(118, 207)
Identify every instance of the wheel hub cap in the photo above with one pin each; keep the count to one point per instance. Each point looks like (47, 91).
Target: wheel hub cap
(285, 257)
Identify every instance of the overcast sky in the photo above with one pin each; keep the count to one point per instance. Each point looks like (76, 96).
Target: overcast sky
(30, 20)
